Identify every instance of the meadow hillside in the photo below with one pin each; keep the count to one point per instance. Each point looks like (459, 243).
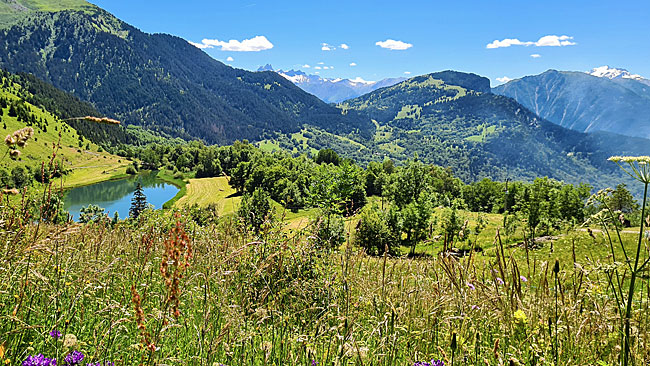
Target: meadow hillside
(81, 160)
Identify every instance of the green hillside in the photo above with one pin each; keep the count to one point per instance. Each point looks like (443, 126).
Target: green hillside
(85, 161)
(12, 11)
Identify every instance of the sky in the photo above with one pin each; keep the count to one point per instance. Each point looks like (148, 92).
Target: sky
(376, 39)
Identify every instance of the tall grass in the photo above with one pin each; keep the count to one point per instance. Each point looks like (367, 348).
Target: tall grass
(276, 299)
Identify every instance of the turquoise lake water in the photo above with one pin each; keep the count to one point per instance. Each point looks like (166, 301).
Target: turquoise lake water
(115, 196)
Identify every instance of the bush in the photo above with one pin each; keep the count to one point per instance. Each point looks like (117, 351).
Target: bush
(131, 170)
(255, 209)
(374, 232)
(328, 231)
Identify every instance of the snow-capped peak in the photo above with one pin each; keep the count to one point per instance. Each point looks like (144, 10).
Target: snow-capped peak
(613, 73)
(359, 80)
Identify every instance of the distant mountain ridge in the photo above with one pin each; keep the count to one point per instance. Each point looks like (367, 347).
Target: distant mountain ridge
(332, 90)
(158, 81)
(453, 119)
(603, 99)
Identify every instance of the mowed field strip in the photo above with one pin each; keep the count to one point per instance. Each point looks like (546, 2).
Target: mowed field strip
(207, 191)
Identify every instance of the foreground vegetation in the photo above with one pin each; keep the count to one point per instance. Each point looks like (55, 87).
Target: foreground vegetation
(168, 291)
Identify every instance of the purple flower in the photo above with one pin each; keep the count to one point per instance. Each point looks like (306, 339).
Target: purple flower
(39, 360)
(475, 307)
(55, 334)
(471, 287)
(499, 281)
(431, 363)
(105, 364)
(523, 279)
(74, 358)
(314, 363)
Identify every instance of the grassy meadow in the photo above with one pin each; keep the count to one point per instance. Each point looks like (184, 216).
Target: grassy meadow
(169, 292)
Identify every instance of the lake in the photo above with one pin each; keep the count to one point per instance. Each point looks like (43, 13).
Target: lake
(115, 195)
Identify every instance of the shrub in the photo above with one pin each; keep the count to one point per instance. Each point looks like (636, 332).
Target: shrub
(131, 170)
(374, 232)
(328, 231)
(255, 210)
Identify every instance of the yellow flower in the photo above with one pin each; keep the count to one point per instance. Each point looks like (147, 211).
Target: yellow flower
(520, 317)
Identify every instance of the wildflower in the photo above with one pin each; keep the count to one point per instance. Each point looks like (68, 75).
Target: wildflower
(55, 334)
(430, 363)
(39, 360)
(638, 167)
(499, 281)
(12, 191)
(471, 287)
(74, 358)
(314, 363)
(106, 120)
(14, 154)
(520, 318)
(70, 341)
(10, 140)
(523, 279)
(475, 307)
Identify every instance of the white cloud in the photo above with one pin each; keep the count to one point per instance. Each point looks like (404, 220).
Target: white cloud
(546, 41)
(230, 59)
(317, 68)
(317, 72)
(199, 45)
(344, 46)
(504, 79)
(507, 43)
(353, 64)
(255, 44)
(392, 44)
(327, 47)
(321, 63)
(555, 41)
(535, 55)
(326, 67)
(306, 66)
(407, 73)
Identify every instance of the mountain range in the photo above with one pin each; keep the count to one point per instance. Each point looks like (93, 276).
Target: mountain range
(156, 80)
(332, 90)
(603, 99)
(449, 118)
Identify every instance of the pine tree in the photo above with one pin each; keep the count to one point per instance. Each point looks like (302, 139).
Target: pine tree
(138, 203)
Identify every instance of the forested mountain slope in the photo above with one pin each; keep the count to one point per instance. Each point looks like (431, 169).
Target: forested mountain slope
(158, 81)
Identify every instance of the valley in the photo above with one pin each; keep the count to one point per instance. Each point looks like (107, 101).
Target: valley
(162, 203)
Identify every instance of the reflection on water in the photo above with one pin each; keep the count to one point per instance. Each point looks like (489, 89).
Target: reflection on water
(115, 196)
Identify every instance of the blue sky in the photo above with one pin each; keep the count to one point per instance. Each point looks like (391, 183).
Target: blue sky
(429, 35)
